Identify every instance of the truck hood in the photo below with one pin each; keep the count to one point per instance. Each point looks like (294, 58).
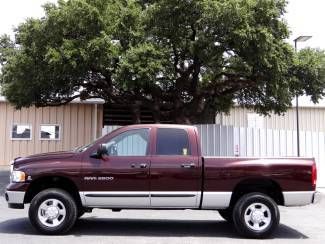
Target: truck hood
(44, 157)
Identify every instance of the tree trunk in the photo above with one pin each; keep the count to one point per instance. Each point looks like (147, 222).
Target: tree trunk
(156, 113)
(198, 113)
(136, 113)
(208, 116)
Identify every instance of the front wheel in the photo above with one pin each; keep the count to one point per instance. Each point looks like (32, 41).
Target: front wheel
(256, 215)
(53, 211)
(81, 212)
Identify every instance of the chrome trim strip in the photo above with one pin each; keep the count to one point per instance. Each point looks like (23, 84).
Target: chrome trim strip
(175, 199)
(298, 198)
(119, 193)
(172, 195)
(116, 195)
(15, 197)
(216, 200)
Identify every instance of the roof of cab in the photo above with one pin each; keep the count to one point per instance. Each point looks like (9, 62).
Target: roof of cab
(158, 126)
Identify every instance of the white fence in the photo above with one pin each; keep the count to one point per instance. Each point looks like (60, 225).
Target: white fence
(219, 140)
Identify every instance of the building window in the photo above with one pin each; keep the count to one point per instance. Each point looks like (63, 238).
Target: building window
(255, 121)
(50, 132)
(21, 132)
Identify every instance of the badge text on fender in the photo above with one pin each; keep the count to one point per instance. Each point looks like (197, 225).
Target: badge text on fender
(101, 178)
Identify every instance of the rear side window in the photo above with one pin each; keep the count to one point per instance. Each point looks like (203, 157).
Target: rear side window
(172, 142)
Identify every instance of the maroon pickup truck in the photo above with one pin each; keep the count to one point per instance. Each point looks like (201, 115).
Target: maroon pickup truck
(158, 167)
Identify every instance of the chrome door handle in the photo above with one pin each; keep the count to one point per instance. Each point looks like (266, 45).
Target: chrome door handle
(143, 166)
(188, 166)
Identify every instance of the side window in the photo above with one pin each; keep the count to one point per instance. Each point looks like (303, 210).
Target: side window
(130, 143)
(172, 142)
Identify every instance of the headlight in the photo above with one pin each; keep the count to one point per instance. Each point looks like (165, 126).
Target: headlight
(17, 176)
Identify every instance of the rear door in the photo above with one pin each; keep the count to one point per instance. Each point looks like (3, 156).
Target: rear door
(175, 172)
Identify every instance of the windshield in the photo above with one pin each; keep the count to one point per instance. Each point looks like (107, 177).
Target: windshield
(85, 147)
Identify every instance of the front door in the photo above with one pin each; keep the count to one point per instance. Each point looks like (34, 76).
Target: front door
(175, 173)
(120, 179)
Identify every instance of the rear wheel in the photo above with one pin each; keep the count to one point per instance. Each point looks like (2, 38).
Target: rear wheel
(53, 211)
(256, 215)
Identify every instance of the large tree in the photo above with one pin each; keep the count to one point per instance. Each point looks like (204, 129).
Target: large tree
(195, 57)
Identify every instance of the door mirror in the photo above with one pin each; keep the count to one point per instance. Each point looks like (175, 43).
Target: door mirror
(101, 151)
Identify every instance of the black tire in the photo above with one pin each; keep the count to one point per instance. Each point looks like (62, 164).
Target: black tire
(226, 214)
(68, 203)
(81, 212)
(246, 227)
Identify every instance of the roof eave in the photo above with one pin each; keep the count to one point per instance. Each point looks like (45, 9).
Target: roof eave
(75, 101)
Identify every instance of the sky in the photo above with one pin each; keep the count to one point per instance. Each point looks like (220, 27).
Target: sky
(305, 17)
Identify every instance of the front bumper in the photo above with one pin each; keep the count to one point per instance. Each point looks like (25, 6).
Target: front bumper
(15, 199)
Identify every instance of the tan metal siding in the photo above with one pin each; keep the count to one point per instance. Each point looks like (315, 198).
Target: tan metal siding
(311, 119)
(100, 113)
(76, 122)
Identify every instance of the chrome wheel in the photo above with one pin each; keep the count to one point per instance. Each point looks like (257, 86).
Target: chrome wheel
(257, 216)
(51, 212)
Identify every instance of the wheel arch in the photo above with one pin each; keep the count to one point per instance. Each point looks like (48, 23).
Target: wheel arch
(46, 182)
(266, 186)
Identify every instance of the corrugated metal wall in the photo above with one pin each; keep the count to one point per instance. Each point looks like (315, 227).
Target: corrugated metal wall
(216, 140)
(311, 119)
(76, 121)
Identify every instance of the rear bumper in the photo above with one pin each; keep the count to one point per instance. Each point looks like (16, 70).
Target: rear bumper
(15, 199)
(301, 198)
(317, 197)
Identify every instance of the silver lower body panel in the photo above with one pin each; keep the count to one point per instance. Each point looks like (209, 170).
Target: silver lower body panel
(115, 199)
(216, 200)
(15, 197)
(157, 199)
(300, 198)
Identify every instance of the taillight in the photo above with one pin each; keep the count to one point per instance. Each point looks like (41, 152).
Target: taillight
(314, 175)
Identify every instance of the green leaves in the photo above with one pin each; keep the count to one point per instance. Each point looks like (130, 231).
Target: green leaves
(308, 73)
(6, 49)
(191, 58)
(141, 66)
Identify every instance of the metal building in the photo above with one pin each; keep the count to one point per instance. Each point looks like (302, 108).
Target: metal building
(311, 118)
(39, 130)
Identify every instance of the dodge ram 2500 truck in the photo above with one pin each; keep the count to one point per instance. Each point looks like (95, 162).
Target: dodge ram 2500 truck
(158, 167)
